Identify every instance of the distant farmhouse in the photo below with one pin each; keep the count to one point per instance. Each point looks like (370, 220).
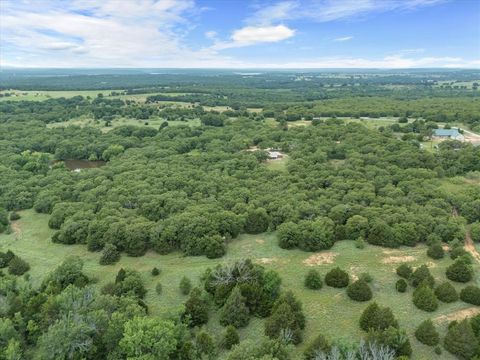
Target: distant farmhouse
(273, 155)
(451, 134)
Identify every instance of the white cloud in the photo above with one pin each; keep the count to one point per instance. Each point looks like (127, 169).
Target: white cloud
(330, 10)
(344, 38)
(251, 35)
(211, 34)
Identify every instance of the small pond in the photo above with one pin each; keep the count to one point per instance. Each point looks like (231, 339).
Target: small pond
(77, 165)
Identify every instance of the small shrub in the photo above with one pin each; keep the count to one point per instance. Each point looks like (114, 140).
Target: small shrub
(360, 243)
(319, 345)
(359, 291)
(5, 258)
(471, 295)
(155, 271)
(313, 280)
(460, 340)
(401, 285)
(422, 275)
(404, 271)
(424, 298)
(366, 277)
(438, 350)
(14, 216)
(159, 288)
(457, 252)
(427, 334)
(185, 285)
(235, 312)
(377, 318)
(18, 266)
(337, 278)
(459, 272)
(445, 292)
(110, 255)
(435, 251)
(231, 337)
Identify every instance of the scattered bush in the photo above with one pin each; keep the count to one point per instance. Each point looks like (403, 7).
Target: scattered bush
(18, 266)
(366, 277)
(231, 337)
(185, 285)
(460, 340)
(471, 295)
(475, 231)
(422, 275)
(435, 251)
(319, 345)
(445, 292)
(110, 255)
(234, 312)
(313, 280)
(158, 288)
(427, 334)
(337, 278)
(359, 291)
(377, 318)
(14, 216)
(457, 252)
(401, 285)
(424, 298)
(404, 271)
(360, 243)
(459, 272)
(5, 258)
(196, 309)
(155, 271)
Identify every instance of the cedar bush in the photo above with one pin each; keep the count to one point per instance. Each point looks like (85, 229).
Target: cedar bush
(110, 255)
(424, 298)
(426, 333)
(196, 309)
(185, 285)
(445, 292)
(155, 271)
(319, 345)
(404, 271)
(159, 288)
(231, 337)
(313, 280)
(18, 266)
(5, 258)
(422, 275)
(460, 340)
(459, 271)
(401, 285)
(337, 278)
(14, 216)
(435, 251)
(375, 317)
(359, 291)
(470, 295)
(234, 312)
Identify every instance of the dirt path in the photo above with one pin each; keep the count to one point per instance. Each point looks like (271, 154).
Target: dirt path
(16, 230)
(469, 245)
(457, 315)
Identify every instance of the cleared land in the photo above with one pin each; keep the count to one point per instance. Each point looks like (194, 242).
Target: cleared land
(30, 238)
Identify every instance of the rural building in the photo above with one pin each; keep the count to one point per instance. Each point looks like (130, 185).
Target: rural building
(272, 155)
(452, 134)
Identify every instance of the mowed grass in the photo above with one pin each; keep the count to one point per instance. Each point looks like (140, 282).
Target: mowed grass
(328, 311)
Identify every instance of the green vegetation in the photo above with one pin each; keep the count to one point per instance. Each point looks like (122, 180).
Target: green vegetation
(99, 192)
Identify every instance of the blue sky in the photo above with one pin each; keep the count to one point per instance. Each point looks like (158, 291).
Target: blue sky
(240, 34)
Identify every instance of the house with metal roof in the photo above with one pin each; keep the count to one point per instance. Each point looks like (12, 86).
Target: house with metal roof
(452, 134)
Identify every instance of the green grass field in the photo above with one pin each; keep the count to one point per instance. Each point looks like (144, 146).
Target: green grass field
(100, 124)
(328, 311)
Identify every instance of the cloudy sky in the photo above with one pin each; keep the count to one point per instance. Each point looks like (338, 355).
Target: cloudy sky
(240, 33)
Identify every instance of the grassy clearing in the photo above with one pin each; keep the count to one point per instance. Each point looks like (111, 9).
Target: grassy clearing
(100, 124)
(277, 164)
(44, 95)
(328, 310)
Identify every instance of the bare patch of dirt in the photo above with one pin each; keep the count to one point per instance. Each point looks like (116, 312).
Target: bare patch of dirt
(353, 272)
(458, 315)
(471, 137)
(445, 247)
(431, 264)
(470, 247)
(260, 241)
(16, 229)
(320, 259)
(266, 261)
(398, 259)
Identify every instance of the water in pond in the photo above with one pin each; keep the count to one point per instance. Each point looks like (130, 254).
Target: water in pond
(77, 165)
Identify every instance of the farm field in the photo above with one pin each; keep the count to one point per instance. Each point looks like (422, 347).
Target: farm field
(30, 239)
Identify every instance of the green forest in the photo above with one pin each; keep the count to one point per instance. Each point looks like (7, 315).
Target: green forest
(213, 215)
